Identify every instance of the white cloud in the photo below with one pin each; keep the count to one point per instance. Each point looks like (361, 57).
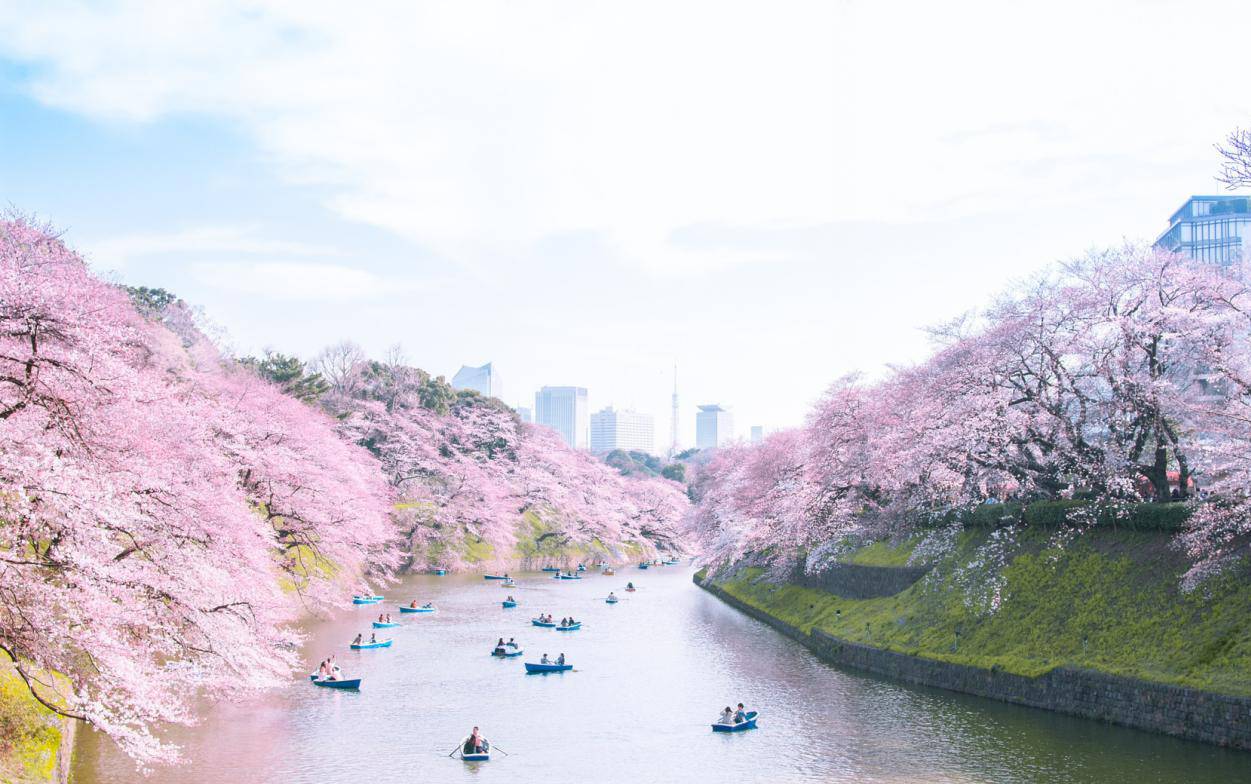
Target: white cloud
(117, 252)
(298, 281)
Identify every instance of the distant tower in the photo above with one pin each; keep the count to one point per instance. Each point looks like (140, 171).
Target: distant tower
(673, 425)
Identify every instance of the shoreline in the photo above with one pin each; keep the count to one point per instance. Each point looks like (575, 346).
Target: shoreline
(1192, 714)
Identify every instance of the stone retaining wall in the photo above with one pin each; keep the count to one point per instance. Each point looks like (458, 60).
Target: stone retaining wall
(1174, 710)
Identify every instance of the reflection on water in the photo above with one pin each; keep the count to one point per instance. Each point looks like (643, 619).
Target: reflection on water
(650, 674)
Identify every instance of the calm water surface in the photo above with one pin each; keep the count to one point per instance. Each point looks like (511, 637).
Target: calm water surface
(650, 674)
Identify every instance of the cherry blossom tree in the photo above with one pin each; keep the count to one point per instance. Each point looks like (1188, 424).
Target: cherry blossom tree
(165, 513)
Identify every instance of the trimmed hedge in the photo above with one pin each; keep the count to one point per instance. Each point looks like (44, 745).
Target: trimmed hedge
(1053, 514)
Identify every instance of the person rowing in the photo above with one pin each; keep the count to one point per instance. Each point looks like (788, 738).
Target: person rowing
(564, 622)
(740, 715)
(612, 596)
(413, 604)
(727, 716)
(512, 642)
(629, 586)
(475, 743)
(511, 599)
(560, 659)
(381, 618)
(545, 660)
(358, 639)
(373, 638)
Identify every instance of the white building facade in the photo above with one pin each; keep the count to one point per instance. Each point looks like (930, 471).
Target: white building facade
(714, 426)
(484, 380)
(564, 410)
(628, 430)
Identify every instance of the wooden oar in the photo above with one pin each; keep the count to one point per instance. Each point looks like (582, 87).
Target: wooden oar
(497, 748)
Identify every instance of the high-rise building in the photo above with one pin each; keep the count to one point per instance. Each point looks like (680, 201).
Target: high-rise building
(1210, 228)
(526, 413)
(757, 434)
(630, 430)
(714, 426)
(564, 410)
(483, 379)
(673, 421)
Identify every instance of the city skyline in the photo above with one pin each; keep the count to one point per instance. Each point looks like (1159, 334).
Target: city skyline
(482, 229)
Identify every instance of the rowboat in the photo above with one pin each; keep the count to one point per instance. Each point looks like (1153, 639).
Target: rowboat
(494, 577)
(748, 724)
(551, 569)
(485, 756)
(366, 599)
(509, 652)
(508, 604)
(611, 600)
(571, 628)
(631, 590)
(353, 683)
(608, 572)
(416, 609)
(385, 624)
(581, 568)
(509, 583)
(544, 624)
(532, 667)
(440, 572)
(644, 565)
(368, 645)
(568, 577)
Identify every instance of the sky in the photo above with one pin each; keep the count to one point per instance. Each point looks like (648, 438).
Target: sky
(769, 194)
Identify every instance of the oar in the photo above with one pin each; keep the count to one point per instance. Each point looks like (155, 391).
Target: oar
(497, 748)
(453, 751)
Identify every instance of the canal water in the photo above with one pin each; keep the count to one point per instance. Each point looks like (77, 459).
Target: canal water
(650, 674)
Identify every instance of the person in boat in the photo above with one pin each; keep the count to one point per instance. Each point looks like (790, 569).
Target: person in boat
(510, 598)
(630, 586)
(389, 618)
(413, 604)
(475, 743)
(572, 622)
(512, 642)
(564, 622)
(373, 638)
(380, 618)
(358, 639)
(740, 715)
(612, 596)
(560, 659)
(428, 604)
(727, 716)
(545, 660)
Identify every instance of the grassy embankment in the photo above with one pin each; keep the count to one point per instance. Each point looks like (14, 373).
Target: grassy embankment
(1109, 601)
(537, 543)
(30, 734)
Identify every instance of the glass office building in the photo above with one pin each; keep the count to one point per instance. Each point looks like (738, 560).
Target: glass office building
(630, 430)
(564, 410)
(1209, 228)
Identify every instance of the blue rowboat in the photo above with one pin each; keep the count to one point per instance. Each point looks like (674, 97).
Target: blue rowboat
(532, 667)
(416, 609)
(364, 646)
(483, 757)
(508, 604)
(568, 577)
(644, 566)
(581, 568)
(353, 683)
(509, 583)
(366, 599)
(572, 628)
(749, 724)
(507, 653)
(611, 600)
(494, 577)
(544, 624)
(551, 568)
(440, 572)
(385, 624)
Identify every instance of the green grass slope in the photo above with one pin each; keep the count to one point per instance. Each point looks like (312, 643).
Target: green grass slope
(1109, 601)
